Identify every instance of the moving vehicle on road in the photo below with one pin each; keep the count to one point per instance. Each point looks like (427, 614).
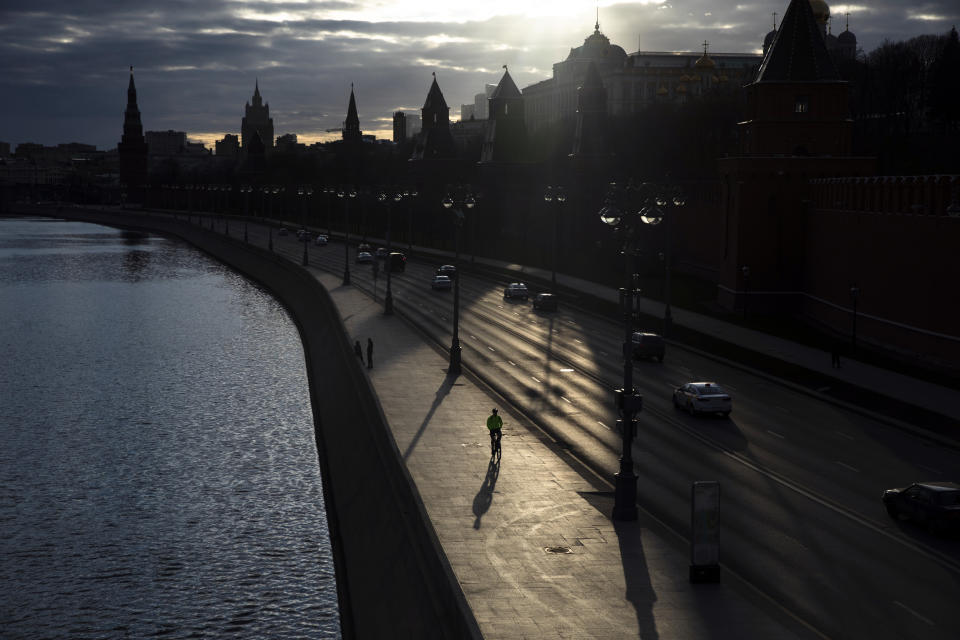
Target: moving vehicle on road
(283, 231)
(936, 505)
(364, 256)
(703, 397)
(545, 302)
(447, 270)
(321, 240)
(381, 252)
(363, 246)
(397, 262)
(441, 283)
(647, 345)
(516, 290)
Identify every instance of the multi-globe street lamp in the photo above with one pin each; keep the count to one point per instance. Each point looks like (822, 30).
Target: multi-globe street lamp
(346, 194)
(304, 193)
(386, 198)
(460, 198)
(409, 195)
(558, 196)
(657, 204)
(628, 401)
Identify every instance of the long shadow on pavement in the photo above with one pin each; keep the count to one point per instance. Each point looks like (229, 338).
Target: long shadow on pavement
(442, 392)
(484, 497)
(636, 573)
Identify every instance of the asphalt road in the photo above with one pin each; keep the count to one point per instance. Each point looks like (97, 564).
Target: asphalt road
(801, 479)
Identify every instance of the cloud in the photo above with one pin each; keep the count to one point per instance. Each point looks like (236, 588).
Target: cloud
(65, 61)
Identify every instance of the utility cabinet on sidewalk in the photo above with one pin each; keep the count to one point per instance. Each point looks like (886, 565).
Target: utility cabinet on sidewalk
(705, 531)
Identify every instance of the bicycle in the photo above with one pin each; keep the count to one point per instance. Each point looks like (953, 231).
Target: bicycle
(495, 436)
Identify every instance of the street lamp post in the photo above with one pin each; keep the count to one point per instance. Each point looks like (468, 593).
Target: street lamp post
(410, 195)
(304, 192)
(555, 194)
(385, 198)
(346, 195)
(745, 270)
(628, 401)
(456, 202)
(854, 294)
(656, 206)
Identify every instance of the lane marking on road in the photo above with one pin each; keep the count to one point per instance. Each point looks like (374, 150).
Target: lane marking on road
(473, 336)
(491, 349)
(566, 370)
(930, 469)
(784, 409)
(604, 353)
(823, 389)
(603, 425)
(729, 387)
(775, 434)
(512, 362)
(846, 466)
(845, 435)
(578, 340)
(534, 379)
(565, 400)
(924, 618)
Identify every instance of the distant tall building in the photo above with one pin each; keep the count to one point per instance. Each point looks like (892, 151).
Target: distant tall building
(287, 142)
(257, 119)
(399, 127)
(351, 128)
(480, 102)
(132, 149)
(466, 112)
(228, 147)
(166, 143)
(435, 139)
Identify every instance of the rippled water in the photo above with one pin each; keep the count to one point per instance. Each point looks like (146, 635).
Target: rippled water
(158, 471)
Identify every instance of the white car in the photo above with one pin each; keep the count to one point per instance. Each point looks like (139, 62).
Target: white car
(516, 290)
(441, 283)
(703, 397)
(320, 240)
(364, 256)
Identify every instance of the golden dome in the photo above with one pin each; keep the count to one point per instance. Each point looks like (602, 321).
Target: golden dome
(821, 11)
(662, 91)
(681, 89)
(704, 63)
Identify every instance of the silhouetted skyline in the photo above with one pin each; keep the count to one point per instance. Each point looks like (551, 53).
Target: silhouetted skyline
(66, 62)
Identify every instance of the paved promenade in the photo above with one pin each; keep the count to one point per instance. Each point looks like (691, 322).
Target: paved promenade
(496, 522)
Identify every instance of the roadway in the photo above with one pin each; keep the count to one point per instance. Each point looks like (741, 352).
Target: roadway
(801, 479)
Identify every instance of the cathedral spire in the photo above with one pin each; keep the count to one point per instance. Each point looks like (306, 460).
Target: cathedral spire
(132, 149)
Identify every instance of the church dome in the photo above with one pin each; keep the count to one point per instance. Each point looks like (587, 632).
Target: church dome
(662, 91)
(681, 89)
(704, 63)
(821, 11)
(847, 37)
(768, 39)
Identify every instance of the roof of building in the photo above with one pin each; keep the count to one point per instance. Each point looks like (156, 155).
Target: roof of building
(507, 88)
(798, 53)
(435, 98)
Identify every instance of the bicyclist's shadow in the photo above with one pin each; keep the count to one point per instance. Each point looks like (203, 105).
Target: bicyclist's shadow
(484, 497)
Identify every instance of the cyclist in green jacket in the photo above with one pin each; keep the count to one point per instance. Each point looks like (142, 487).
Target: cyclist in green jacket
(495, 424)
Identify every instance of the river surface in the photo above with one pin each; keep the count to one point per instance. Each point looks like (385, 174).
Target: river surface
(158, 469)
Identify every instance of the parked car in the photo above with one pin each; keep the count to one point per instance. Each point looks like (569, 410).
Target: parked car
(703, 397)
(516, 290)
(397, 262)
(441, 283)
(363, 246)
(447, 270)
(283, 231)
(381, 252)
(321, 240)
(935, 505)
(545, 302)
(364, 256)
(647, 345)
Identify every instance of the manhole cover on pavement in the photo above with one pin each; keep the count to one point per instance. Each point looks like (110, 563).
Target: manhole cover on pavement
(557, 549)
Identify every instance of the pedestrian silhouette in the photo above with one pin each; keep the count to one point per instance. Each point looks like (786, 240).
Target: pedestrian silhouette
(369, 352)
(357, 349)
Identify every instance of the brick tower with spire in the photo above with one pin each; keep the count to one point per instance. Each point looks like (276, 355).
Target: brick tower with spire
(798, 128)
(435, 139)
(351, 128)
(132, 149)
(505, 138)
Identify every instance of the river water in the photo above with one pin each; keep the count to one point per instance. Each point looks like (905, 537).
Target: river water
(158, 470)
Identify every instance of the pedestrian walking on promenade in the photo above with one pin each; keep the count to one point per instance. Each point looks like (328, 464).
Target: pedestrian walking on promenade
(357, 349)
(494, 425)
(835, 354)
(369, 353)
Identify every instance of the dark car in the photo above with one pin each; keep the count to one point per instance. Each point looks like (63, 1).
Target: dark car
(380, 253)
(397, 262)
(647, 345)
(545, 302)
(447, 270)
(516, 290)
(935, 505)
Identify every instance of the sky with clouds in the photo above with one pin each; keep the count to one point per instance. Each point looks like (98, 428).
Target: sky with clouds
(65, 63)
